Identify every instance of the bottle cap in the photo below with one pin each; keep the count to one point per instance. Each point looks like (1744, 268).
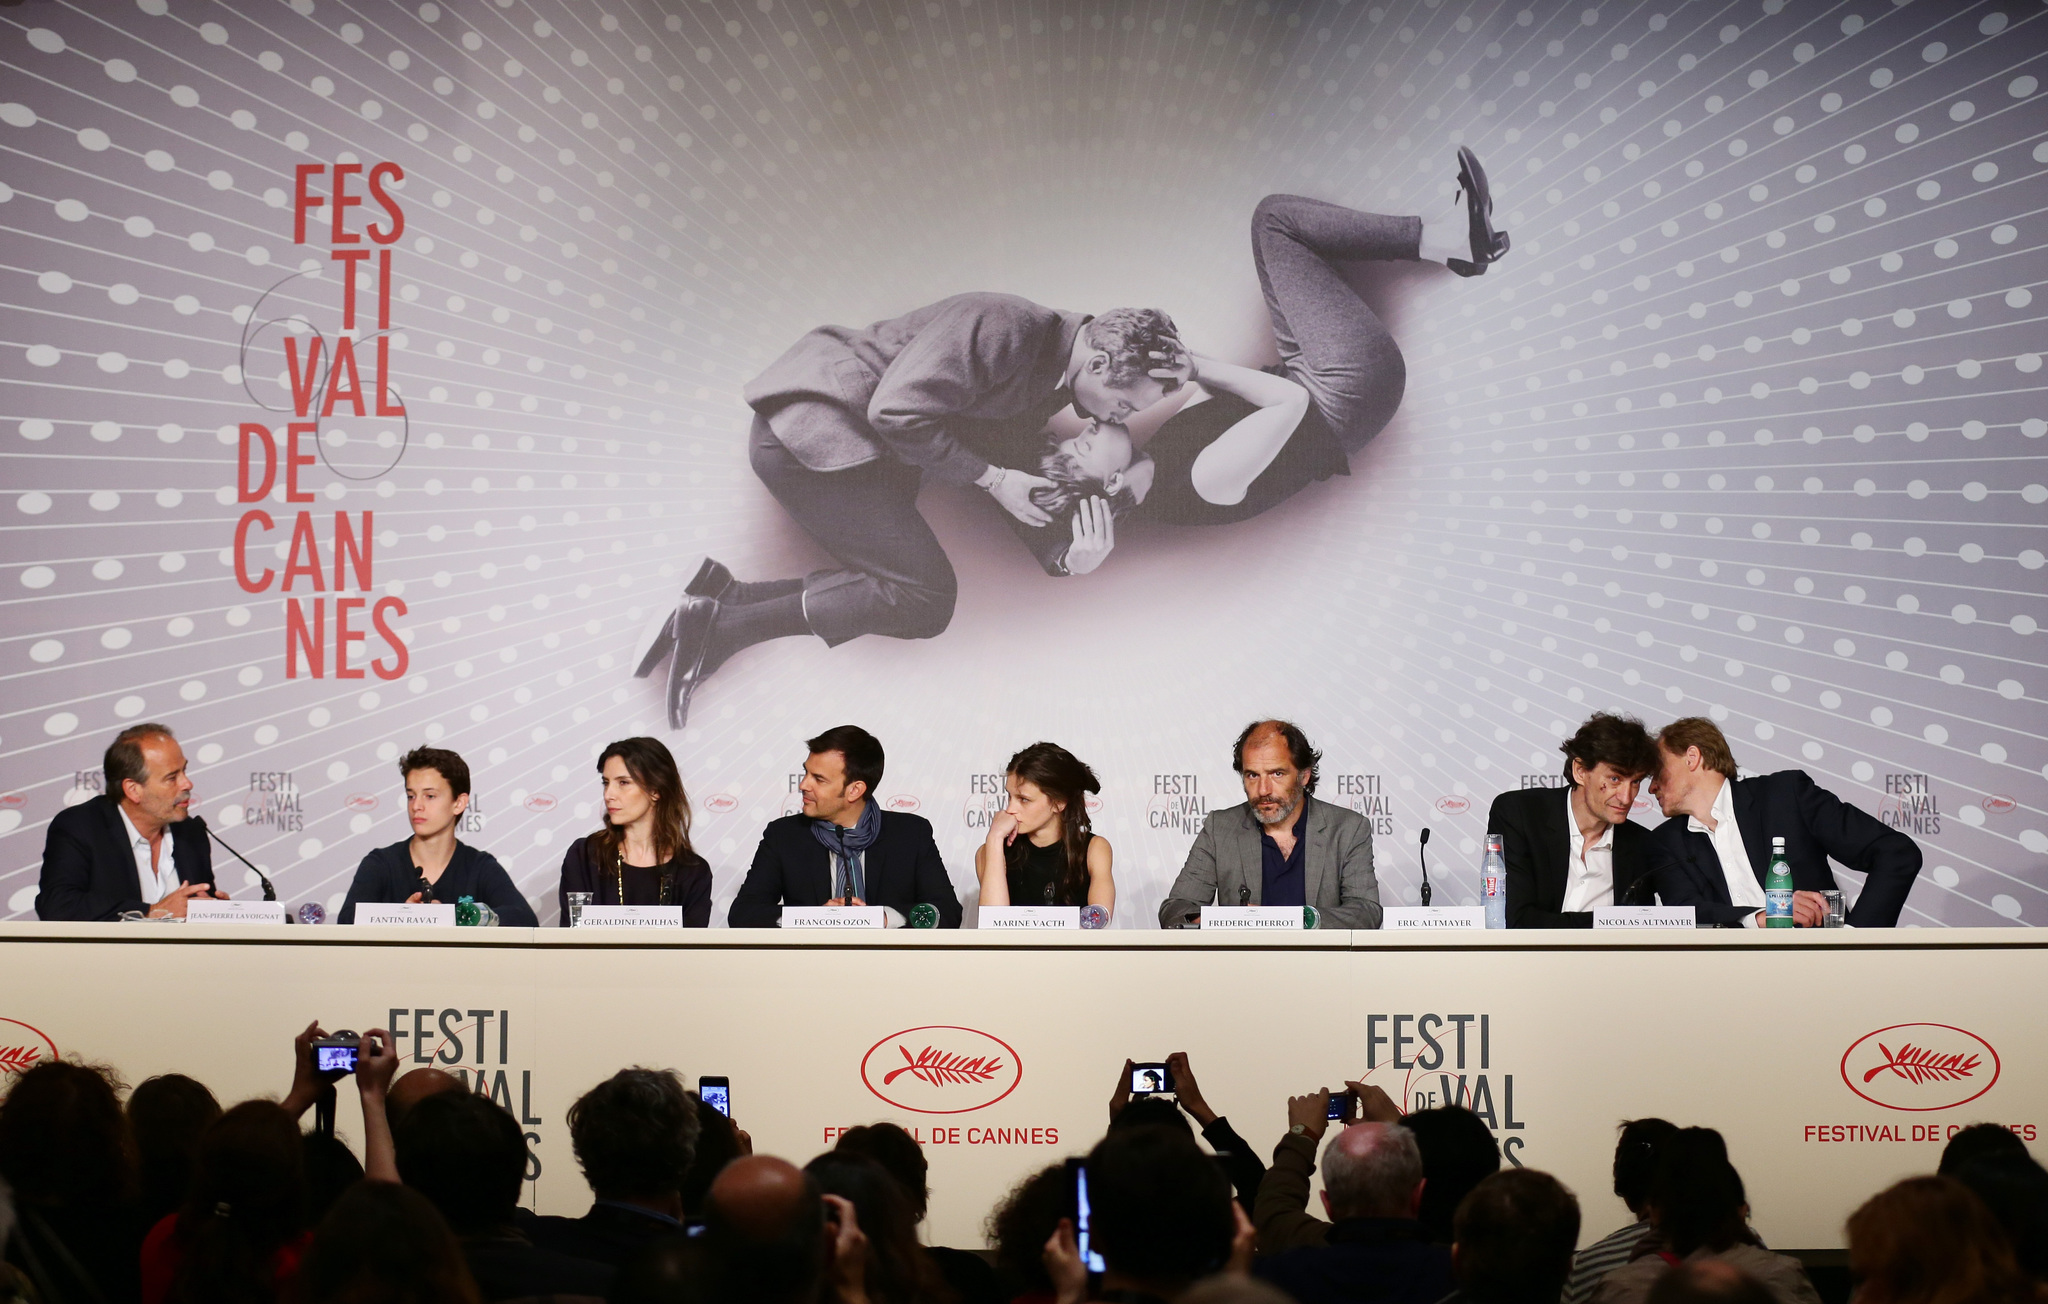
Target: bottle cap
(1779, 843)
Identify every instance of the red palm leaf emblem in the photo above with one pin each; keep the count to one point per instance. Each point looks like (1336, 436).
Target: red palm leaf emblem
(940, 1069)
(18, 1059)
(1917, 1066)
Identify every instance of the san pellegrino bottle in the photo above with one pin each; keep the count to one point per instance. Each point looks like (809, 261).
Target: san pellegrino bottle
(1778, 888)
(1493, 883)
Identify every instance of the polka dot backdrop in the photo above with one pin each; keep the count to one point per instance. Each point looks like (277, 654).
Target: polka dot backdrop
(1749, 424)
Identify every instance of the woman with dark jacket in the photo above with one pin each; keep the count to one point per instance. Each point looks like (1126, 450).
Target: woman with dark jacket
(431, 866)
(642, 856)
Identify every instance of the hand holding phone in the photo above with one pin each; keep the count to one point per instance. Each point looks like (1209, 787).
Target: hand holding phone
(717, 1093)
(1151, 1080)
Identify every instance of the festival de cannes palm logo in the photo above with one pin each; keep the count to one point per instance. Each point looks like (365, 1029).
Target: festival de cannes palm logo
(22, 1047)
(1920, 1067)
(941, 1069)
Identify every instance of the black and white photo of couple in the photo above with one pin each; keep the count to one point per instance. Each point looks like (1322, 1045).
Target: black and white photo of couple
(850, 423)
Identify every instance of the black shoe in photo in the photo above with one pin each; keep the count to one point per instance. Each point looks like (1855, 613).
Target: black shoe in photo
(1488, 245)
(692, 638)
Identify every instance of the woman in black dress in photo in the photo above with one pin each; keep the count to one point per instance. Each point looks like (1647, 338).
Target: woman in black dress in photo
(1041, 850)
(1250, 438)
(642, 855)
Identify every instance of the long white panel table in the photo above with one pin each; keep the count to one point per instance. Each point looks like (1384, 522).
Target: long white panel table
(1835, 1062)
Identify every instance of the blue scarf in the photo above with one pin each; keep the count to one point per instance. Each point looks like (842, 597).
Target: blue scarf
(848, 845)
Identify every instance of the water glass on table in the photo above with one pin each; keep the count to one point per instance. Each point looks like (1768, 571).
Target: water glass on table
(578, 900)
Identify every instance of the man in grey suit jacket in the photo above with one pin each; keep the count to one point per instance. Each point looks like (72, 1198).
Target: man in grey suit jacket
(1282, 847)
(848, 423)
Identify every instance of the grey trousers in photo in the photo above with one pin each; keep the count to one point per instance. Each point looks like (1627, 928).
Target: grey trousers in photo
(1330, 342)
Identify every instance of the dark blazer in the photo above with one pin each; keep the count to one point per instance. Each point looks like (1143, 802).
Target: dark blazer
(1536, 838)
(388, 876)
(915, 381)
(580, 873)
(1364, 1261)
(610, 1233)
(89, 869)
(792, 868)
(1815, 824)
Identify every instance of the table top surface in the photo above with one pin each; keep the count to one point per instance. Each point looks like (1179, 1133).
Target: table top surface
(1113, 939)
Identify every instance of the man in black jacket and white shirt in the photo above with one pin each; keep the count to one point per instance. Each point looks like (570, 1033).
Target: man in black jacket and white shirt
(133, 847)
(1713, 852)
(1570, 851)
(844, 850)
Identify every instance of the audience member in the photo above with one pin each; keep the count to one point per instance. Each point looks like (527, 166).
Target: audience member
(1162, 1212)
(634, 1135)
(1230, 1288)
(1458, 1152)
(771, 1237)
(1018, 1228)
(1698, 1208)
(1240, 1162)
(66, 1151)
(1376, 1249)
(1707, 1281)
(2015, 1189)
(968, 1273)
(1513, 1236)
(331, 1169)
(414, 1087)
(384, 1244)
(166, 1114)
(1979, 1141)
(898, 1269)
(719, 1142)
(1928, 1240)
(1280, 1210)
(675, 1269)
(241, 1231)
(468, 1156)
(1635, 1164)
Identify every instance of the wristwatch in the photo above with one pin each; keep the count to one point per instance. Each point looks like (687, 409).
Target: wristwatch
(1299, 1129)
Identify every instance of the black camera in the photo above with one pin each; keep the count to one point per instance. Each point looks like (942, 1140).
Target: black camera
(336, 1052)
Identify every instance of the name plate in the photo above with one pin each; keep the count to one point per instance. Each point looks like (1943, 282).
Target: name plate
(1265, 917)
(1030, 917)
(833, 916)
(406, 913)
(1433, 918)
(199, 911)
(630, 917)
(1641, 917)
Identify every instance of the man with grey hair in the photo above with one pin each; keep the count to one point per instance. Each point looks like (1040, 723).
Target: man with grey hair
(1282, 847)
(1375, 1249)
(133, 848)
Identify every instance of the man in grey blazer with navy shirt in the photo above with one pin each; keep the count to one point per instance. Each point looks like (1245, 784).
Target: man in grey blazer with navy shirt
(1282, 847)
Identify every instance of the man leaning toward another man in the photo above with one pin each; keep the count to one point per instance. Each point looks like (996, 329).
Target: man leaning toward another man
(134, 848)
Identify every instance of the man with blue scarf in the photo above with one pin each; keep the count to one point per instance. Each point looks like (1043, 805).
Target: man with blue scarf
(844, 850)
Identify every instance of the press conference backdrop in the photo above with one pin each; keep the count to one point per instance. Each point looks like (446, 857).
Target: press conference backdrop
(1748, 424)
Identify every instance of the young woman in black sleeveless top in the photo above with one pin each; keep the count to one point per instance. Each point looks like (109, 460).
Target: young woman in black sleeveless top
(642, 856)
(1041, 849)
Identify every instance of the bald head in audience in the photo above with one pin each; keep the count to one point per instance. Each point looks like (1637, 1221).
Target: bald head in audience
(1372, 1170)
(414, 1087)
(764, 1223)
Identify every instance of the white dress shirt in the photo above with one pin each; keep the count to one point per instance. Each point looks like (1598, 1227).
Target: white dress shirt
(1589, 877)
(158, 882)
(1743, 887)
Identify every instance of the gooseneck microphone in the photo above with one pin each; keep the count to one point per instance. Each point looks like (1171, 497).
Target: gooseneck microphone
(1422, 853)
(1244, 895)
(269, 892)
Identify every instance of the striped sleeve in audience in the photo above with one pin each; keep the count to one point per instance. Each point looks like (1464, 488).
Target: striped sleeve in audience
(1600, 1258)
